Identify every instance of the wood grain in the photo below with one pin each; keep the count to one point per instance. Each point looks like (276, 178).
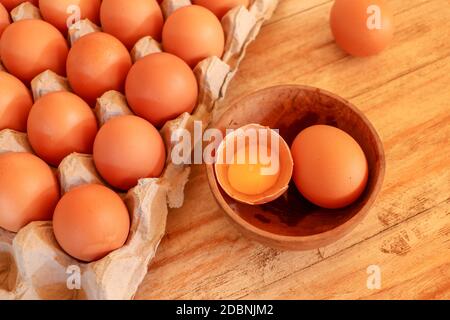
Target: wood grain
(405, 92)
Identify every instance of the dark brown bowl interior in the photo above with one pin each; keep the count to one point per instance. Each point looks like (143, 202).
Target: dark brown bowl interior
(291, 222)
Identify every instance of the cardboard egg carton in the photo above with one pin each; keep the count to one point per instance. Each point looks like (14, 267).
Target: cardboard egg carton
(25, 10)
(32, 264)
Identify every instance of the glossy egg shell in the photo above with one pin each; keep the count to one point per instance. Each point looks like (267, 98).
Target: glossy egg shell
(59, 12)
(97, 63)
(90, 221)
(220, 8)
(11, 4)
(4, 19)
(350, 22)
(30, 47)
(29, 190)
(142, 18)
(126, 149)
(15, 103)
(193, 33)
(59, 124)
(330, 168)
(160, 87)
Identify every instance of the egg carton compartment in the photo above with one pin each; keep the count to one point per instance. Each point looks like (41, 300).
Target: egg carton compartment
(32, 264)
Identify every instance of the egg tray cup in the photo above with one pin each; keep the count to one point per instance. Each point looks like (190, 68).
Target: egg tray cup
(32, 264)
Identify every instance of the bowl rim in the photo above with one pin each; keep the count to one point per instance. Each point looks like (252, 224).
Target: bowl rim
(341, 229)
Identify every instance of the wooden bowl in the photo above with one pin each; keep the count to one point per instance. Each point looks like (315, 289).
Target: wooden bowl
(291, 222)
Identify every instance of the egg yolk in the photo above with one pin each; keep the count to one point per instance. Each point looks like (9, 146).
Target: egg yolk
(250, 177)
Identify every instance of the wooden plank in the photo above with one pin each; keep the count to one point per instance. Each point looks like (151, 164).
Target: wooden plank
(412, 257)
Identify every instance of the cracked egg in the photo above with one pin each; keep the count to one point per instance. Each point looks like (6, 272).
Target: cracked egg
(254, 165)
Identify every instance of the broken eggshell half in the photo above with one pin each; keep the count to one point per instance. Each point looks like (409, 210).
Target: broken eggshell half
(276, 149)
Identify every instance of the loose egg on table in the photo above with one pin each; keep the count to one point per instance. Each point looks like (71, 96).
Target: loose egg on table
(130, 22)
(59, 124)
(220, 8)
(126, 149)
(97, 63)
(90, 221)
(160, 87)
(330, 167)
(193, 33)
(30, 47)
(29, 190)
(363, 27)
(59, 13)
(15, 103)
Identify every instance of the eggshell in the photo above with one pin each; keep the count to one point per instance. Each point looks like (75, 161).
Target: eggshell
(277, 185)
(59, 13)
(11, 4)
(59, 124)
(330, 168)
(160, 87)
(4, 19)
(97, 63)
(15, 103)
(126, 149)
(193, 33)
(142, 18)
(220, 8)
(350, 21)
(90, 221)
(29, 47)
(29, 190)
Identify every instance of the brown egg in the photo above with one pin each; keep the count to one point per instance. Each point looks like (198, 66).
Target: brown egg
(126, 149)
(330, 168)
(142, 18)
(29, 190)
(97, 63)
(220, 8)
(59, 13)
(193, 33)
(15, 103)
(254, 171)
(4, 19)
(29, 47)
(160, 87)
(11, 4)
(91, 221)
(363, 27)
(59, 124)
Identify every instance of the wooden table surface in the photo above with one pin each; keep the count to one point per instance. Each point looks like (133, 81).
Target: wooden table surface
(405, 92)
